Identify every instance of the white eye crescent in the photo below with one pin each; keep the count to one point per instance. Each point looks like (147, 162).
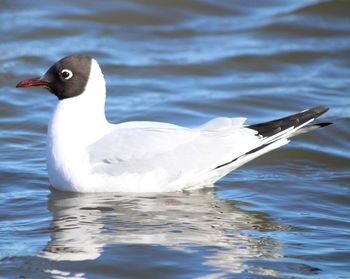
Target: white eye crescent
(66, 74)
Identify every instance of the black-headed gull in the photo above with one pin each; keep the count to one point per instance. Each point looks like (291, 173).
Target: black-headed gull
(86, 153)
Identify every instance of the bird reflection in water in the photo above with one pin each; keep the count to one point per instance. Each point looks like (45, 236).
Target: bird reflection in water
(84, 223)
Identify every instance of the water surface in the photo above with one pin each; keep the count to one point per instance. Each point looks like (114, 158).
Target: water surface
(284, 215)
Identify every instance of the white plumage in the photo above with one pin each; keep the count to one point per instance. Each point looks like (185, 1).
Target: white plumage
(86, 153)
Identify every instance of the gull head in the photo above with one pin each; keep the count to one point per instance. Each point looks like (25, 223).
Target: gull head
(69, 77)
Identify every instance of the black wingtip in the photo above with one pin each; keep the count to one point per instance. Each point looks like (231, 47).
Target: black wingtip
(317, 111)
(323, 124)
(273, 127)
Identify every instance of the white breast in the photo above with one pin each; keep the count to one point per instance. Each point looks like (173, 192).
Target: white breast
(76, 123)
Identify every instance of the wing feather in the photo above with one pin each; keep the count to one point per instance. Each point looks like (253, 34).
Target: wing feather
(140, 147)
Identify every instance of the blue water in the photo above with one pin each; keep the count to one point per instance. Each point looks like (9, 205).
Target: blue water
(284, 215)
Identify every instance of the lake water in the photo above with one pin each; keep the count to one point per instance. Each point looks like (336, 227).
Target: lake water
(285, 215)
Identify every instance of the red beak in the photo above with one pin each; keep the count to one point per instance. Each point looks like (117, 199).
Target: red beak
(32, 82)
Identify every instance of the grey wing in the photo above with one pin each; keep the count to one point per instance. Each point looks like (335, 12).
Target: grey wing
(142, 148)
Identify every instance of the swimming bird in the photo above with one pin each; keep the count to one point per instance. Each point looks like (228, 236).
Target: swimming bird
(86, 153)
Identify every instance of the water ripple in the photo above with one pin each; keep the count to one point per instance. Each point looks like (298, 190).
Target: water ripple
(282, 215)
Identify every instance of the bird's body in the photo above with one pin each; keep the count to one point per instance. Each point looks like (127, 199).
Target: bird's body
(86, 153)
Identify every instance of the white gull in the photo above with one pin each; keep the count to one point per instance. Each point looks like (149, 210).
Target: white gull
(86, 153)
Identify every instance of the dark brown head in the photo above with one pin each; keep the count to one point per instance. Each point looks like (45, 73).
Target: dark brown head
(67, 78)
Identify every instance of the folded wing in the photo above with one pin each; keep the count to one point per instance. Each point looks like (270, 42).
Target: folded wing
(141, 147)
(198, 156)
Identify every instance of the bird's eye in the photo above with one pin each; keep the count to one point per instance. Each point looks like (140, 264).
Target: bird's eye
(66, 74)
